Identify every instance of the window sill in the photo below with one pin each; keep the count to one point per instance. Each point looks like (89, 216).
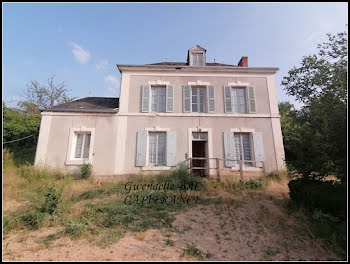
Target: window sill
(155, 168)
(77, 162)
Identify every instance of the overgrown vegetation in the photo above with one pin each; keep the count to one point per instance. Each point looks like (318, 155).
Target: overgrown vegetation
(315, 137)
(86, 170)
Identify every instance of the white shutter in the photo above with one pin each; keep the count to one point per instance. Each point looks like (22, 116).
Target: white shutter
(187, 98)
(258, 148)
(211, 98)
(145, 98)
(169, 98)
(171, 148)
(251, 99)
(229, 149)
(227, 99)
(141, 148)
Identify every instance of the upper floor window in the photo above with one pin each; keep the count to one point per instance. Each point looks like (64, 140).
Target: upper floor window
(239, 100)
(158, 99)
(199, 99)
(198, 59)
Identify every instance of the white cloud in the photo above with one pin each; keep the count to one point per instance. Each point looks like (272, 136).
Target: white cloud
(112, 84)
(81, 55)
(102, 65)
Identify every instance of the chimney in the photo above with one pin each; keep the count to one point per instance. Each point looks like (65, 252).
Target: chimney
(243, 62)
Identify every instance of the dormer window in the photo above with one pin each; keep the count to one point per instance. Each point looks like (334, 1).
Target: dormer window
(196, 56)
(198, 59)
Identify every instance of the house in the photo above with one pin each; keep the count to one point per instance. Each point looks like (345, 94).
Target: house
(208, 113)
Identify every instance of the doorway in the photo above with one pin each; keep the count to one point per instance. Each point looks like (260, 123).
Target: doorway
(199, 150)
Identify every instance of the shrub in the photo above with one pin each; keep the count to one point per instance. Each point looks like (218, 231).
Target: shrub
(52, 200)
(76, 227)
(32, 220)
(328, 196)
(86, 170)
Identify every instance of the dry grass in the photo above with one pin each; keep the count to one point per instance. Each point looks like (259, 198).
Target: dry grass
(236, 222)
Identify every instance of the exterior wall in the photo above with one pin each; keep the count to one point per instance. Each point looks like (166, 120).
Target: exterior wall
(260, 83)
(114, 143)
(181, 124)
(55, 140)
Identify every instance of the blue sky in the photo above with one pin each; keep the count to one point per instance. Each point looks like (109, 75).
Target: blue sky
(80, 43)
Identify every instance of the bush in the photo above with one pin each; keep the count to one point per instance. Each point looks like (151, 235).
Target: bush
(328, 196)
(32, 220)
(86, 170)
(52, 200)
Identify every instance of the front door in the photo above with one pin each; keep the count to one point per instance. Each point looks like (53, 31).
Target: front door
(199, 150)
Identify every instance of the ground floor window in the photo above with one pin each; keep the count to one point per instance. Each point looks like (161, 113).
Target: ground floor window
(82, 147)
(243, 147)
(157, 148)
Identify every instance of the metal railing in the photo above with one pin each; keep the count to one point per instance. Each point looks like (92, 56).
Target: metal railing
(188, 163)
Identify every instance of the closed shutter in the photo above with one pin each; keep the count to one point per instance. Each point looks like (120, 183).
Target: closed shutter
(229, 149)
(169, 98)
(141, 148)
(251, 99)
(187, 98)
(227, 99)
(258, 148)
(211, 98)
(171, 148)
(145, 98)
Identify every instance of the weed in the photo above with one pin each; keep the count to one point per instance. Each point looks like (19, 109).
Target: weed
(169, 242)
(193, 251)
(32, 220)
(86, 170)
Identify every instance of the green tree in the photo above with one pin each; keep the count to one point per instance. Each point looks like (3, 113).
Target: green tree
(316, 142)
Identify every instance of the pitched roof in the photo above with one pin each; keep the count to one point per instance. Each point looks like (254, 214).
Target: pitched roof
(89, 104)
(166, 63)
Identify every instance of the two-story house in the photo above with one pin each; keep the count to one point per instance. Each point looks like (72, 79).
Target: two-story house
(169, 112)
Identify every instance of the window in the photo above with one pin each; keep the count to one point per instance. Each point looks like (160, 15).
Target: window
(199, 99)
(243, 147)
(198, 59)
(82, 146)
(158, 99)
(157, 148)
(239, 100)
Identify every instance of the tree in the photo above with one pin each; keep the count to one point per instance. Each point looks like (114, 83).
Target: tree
(316, 143)
(45, 96)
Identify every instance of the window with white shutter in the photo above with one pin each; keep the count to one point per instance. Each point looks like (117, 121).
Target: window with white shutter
(157, 148)
(158, 99)
(243, 147)
(238, 100)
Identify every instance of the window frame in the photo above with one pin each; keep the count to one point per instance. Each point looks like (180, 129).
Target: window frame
(240, 134)
(245, 88)
(157, 87)
(70, 158)
(201, 54)
(156, 164)
(205, 99)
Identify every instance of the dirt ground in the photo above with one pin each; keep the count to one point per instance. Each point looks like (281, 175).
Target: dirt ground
(250, 227)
